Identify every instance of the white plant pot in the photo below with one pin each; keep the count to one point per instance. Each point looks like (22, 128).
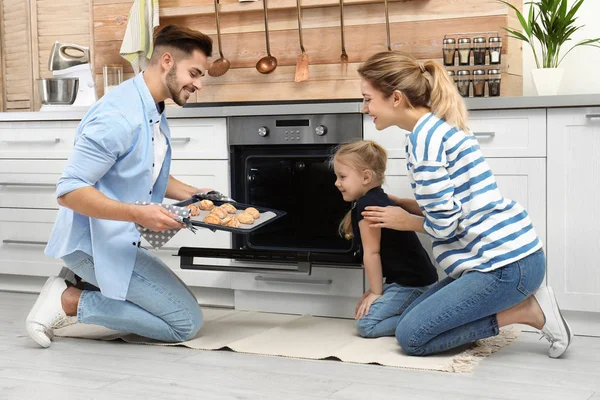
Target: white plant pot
(547, 80)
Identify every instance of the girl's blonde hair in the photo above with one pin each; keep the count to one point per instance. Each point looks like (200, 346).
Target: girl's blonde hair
(423, 84)
(360, 155)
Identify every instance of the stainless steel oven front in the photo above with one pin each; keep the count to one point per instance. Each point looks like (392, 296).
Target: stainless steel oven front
(283, 162)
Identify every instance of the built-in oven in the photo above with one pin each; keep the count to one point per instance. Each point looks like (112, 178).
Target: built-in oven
(284, 162)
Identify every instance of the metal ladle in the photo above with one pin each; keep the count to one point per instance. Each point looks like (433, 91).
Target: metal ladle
(387, 26)
(221, 65)
(268, 63)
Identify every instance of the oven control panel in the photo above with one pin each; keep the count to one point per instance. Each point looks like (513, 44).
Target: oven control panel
(295, 129)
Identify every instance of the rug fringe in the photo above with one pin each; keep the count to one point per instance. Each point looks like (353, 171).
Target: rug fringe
(483, 348)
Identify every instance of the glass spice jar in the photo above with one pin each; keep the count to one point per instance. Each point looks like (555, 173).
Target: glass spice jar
(452, 75)
(495, 45)
(463, 82)
(478, 83)
(494, 78)
(449, 51)
(464, 51)
(479, 50)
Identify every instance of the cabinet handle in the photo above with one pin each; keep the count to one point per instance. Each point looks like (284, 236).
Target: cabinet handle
(484, 134)
(592, 116)
(291, 280)
(181, 139)
(47, 141)
(29, 242)
(52, 185)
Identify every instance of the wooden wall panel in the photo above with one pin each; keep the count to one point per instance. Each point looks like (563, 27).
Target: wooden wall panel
(15, 34)
(2, 59)
(417, 26)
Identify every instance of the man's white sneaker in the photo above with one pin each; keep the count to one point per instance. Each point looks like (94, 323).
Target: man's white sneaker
(47, 312)
(556, 329)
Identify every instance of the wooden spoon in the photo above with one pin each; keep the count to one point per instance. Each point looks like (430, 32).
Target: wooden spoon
(387, 26)
(221, 65)
(344, 56)
(268, 63)
(302, 62)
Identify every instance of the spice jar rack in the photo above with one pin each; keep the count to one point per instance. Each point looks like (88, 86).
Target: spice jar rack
(480, 50)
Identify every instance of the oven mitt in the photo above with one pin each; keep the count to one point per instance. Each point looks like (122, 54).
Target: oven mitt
(214, 195)
(159, 239)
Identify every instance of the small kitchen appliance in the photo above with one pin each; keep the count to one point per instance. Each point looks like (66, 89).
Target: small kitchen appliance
(72, 84)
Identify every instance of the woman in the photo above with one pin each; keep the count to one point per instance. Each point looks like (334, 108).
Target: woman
(485, 243)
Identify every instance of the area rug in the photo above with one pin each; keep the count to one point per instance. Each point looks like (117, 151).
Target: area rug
(305, 337)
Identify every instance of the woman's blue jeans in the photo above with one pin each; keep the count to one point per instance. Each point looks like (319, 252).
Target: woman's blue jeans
(459, 311)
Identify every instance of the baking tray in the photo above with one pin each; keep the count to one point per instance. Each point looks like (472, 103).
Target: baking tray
(267, 215)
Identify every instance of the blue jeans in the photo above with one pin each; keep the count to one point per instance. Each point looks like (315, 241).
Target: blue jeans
(385, 312)
(158, 304)
(459, 311)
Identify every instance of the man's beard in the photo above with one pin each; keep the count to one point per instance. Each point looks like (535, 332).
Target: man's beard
(176, 95)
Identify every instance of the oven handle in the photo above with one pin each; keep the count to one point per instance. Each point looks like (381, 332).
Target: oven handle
(303, 267)
(274, 279)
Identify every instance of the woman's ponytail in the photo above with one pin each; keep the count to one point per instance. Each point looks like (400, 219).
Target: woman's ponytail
(445, 101)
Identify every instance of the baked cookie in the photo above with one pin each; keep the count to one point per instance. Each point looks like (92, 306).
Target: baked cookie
(245, 218)
(252, 211)
(212, 219)
(232, 222)
(229, 208)
(206, 205)
(218, 211)
(194, 210)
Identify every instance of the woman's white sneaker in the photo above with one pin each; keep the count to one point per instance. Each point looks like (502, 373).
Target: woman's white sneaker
(47, 312)
(556, 329)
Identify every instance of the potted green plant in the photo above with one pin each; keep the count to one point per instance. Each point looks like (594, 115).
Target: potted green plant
(549, 25)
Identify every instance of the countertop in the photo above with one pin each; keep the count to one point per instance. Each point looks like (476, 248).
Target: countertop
(207, 110)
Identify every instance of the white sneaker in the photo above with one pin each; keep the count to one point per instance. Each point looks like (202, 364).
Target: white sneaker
(47, 313)
(556, 329)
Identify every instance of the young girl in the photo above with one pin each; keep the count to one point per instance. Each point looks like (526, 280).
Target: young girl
(485, 243)
(394, 255)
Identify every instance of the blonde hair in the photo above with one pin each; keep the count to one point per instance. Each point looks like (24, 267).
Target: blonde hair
(360, 155)
(389, 71)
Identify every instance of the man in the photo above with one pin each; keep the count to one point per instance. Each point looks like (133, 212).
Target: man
(122, 154)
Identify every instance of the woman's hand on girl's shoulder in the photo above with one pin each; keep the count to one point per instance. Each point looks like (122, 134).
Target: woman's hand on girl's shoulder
(387, 217)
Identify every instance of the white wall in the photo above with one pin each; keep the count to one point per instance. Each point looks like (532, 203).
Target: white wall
(582, 64)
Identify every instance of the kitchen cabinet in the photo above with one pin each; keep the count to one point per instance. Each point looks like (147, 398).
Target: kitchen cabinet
(573, 192)
(199, 139)
(23, 237)
(33, 155)
(36, 140)
(501, 133)
(519, 179)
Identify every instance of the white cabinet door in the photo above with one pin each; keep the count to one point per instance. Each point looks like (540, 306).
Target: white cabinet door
(392, 138)
(573, 213)
(23, 238)
(212, 174)
(501, 133)
(199, 138)
(37, 139)
(519, 179)
(29, 183)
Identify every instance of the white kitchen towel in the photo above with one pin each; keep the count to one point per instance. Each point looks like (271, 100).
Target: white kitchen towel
(137, 43)
(306, 337)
